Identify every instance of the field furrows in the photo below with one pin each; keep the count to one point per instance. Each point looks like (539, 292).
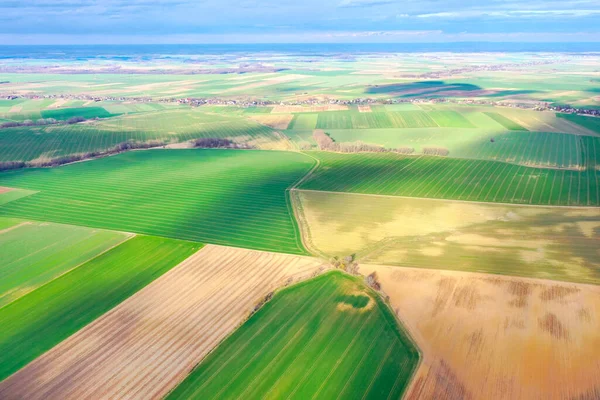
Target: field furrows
(490, 337)
(34, 253)
(456, 179)
(327, 338)
(228, 197)
(536, 242)
(150, 342)
(30, 143)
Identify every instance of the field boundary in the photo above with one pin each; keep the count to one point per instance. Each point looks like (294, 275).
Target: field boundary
(128, 237)
(10, 228)
(303, 226)
(452, 200)
(291, 205)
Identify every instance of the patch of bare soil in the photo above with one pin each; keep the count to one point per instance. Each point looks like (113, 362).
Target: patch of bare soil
(496, 337)
(146, 345)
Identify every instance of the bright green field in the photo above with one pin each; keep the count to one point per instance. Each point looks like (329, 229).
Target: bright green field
(43, 318)
(85, 112)
(28, 143)
(357, 120)
(303, 121)
(459, 179)
(228, 197)
(326, 338)
(527, 148)
(14, 194)
(591, 123)
(8, 222)
(34, 253)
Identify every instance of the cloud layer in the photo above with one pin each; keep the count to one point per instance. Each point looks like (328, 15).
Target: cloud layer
(318, 20)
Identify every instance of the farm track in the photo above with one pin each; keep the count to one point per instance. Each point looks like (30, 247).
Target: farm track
(147, 344)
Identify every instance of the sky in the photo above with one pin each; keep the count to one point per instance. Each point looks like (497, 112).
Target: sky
(296, 21)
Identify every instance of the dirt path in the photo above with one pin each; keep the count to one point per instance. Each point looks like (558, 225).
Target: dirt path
(145, 346)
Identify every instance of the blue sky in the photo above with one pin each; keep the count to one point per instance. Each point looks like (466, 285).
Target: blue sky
(271, 21)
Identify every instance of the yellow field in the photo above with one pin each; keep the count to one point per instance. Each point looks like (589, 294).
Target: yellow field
(492, 337)
(145, 346)
(540, 242)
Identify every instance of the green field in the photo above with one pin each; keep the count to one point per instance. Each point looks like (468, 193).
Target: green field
(14, 194)
(229, 197)
(458, 179)
(303, 121)
(43, 318)
(34, 253)
(84, 112)
(505, 121)
(29, 143)
(356, 120)
(591, 123)
(9, 222)
(330, 337)
(526, 148)
(450, 119)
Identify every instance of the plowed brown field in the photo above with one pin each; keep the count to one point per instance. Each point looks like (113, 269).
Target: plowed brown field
(492, 337)
(149, 343)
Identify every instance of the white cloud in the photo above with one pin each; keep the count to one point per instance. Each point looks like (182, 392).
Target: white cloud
(510, 13)
(416, 36)
(364, 3)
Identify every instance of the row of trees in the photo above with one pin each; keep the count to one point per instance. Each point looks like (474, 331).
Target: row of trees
(54, 162)
(42, 122)
(349, 264)
(436, 151)
(326, 143)
(218, 143)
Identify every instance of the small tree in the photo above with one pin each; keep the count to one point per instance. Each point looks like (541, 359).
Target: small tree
(373, 280)
(335, 261)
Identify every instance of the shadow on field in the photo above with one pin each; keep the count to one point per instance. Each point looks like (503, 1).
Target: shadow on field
(440, 89)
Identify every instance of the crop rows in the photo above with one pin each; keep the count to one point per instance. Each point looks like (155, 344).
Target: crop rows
(505, 121)
(230, 197)
(450, 119)
(459, 179)
(28, 143)
(591, 123)
(85, 112)
(356, 120)
(33, 253)
(146, 345)
(327, 338)
(41, 319)
(533, 149)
